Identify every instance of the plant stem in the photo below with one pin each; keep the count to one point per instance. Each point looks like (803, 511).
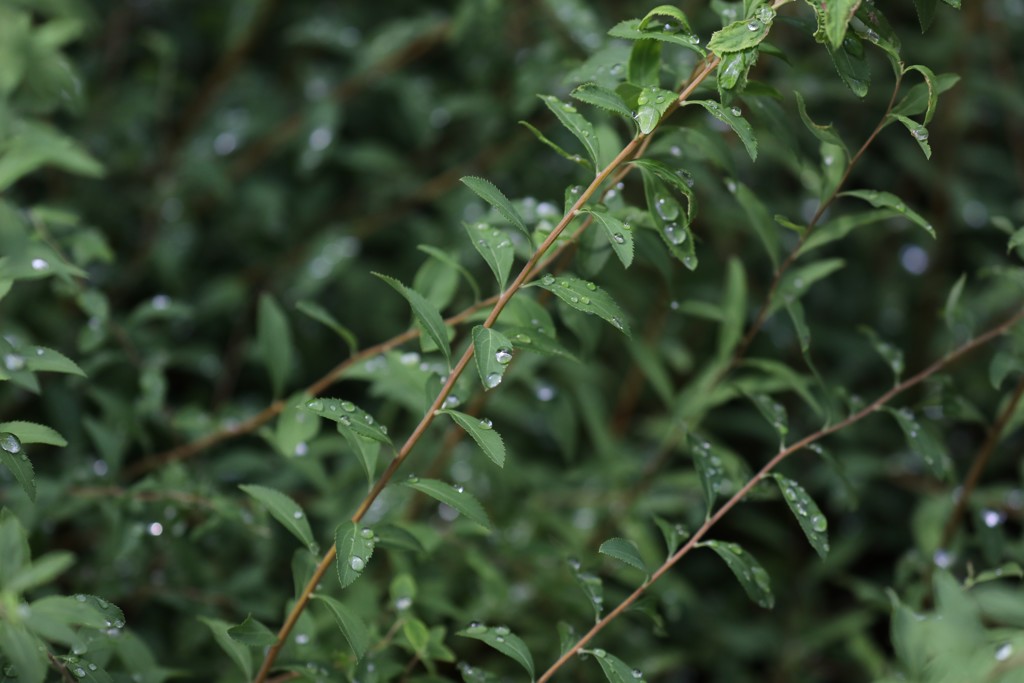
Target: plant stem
(935, 367)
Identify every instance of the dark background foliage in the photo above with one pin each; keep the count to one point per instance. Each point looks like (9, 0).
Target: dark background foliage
(291, 149)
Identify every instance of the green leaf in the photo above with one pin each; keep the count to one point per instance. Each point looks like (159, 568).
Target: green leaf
(837, 15)
(1016, 240)
(931, 84)
(1008, 570)
(417, 633)
(665, 18)
(851, 65)
(797, 281)
(493, 352)
(577, 124)
(481, 430)
(427, 315)
(239, 653)
(918, 98)
(452, 496)
(624, 551)
(670, 220)
(826, 133)
(30, 432)
(42, 359)
(349, 417)
(614, 669)
(487, 191)
(889, 353)
(748, 571)
(322, 316)
(452, 263)
(351, 624)
(354, 546)
(917, 131)
(284, 510)
(774, 412)
(734, 309)
(13, 457)
(925, 12)
(923, 440)
(24, 651)
(41, 571)
(620, 234)
(587, 297)
(274, 341)
(529, 339)
(365, 449)
(630, 30)
(30, 146)
(644, 63)
(732, 117)
(502, 640)
(710, 469)
(807, 513)
(888, 200)
(759, 219)
(651, 104)
(842, 226)
(496, 249)
(673, 533)
(733, 70)
(252, 633)
(603, 98)
(575, 158)
(743, 34)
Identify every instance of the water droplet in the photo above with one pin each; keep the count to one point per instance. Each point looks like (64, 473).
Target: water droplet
(548, 280)
(492, 380)
(735, 111)
(476, 628)
(674, 234)
(413, 479)
(320, 139)
(403, 603)
(348, 407)
(754, 25)
(523, 338)
(574, 299)
(667, 208)
(991, 518)
(301, 639)
(765, 14)
(80, 672)
(10, 443)
(730, 185)
(316, 404)
(943, 559)
(503, 356)
(920, 134)
(14, 362)
(618, 238)
(585, 300)
(637, 673)
(819, 523)
(356, 563)
(599, 653)
(301, 449)
(501, 630)
(591, 286)
(366, 532)
(452, 401)
(297, 514)
(545, 393)
(1003, 652)
(485, 423)
(459, 488)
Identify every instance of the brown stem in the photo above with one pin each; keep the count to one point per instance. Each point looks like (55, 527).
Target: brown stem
(875, 405)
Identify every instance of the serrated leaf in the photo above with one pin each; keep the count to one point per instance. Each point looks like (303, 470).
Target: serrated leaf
(630, 30)
(481, 431)
(851, 64)
(734, 309)
(285, 510)
(836, 17)
(748, 571)
(322, 316)
(426, 314)
(14, 458)
(586, 297)
(252, 633)
(492, 352)
(489, 192)
(786, 375)
(603, 98)
(807, 513)
(40, 571)
(743, 34)
(674, 534)
(670, 219)
(733, 70)
(842, 226)
(624, 551)
(651, 104)
(614, 669)
(454, 497)
(620, 235)
(496, 249)
(295, 428)
(554, 146)
(354, 547)
(239, 653)
(274, 341)
(888, 200)
(42, 359)
(351, 624)
(925, 12)
(774, 412)
(644, 64)
(917, 131)
(923, 441)
(732, 117)
(669, 19)
(591, 585)
(349, 417)
(365, 449)
(797, 281)
(710, 469)
(577, 124)
(502, 640)
(889, 353)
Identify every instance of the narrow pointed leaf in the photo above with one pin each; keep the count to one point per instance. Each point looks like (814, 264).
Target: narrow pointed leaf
(923, 440)
(734, 309)
(888, 200)
(284, 510)
(349, 417)
(252, 633)
(41, 571)
(620, 235)
(666, 18)
(502, 640)
(496, 249)
(774, 412)
(452, 263)
(931, 84)
(354, 546)
(758, 218)
(624, 551)
(322, 316)
(43, 359)
(575, 158)
(951, 312)
(274, 341)
(732, 117)
(616, 670)
(674, 534)
(918, 132)
(577, 125)
(889, 353)
(630, 30)
(748, 571)
(426, 314)
(743, 34)
(807, 513)
(710, 469)
(651, 105)
(487, 191)
(492, 352)
(587, 297)
(481, 431)
(920, 96)
(797, 281)
(670, 219)
(351, 624)
(602, 97)
(13, 457)
(454, 497)
(239, 653)
(851, 65)
(826, 133)
(837, 15)
(840, 227)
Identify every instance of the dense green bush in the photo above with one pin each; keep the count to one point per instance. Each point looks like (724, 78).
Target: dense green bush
(758, 270)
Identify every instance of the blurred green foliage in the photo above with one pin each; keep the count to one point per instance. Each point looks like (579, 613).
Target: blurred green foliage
(196, 198)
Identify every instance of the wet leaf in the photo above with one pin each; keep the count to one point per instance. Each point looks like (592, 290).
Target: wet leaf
(487, 191)
(454, 497)
(586, 297)
(426, 314)
(807, 513)
(354, 546)
(624, 551)
(481, 431)
(492, 352)
(285, 510)
(748, 571)
(502, 640)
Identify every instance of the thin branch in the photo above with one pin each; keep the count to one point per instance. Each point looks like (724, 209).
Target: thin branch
(874, 406)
